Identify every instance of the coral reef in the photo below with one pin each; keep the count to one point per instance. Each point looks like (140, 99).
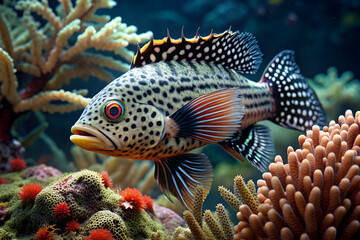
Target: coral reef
(123, 172)
(38, 58)
(336, 92)
(71, 207)
(316, 195)
(205, 225)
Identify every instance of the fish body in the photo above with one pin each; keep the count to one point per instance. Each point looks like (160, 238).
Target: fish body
(183, 94)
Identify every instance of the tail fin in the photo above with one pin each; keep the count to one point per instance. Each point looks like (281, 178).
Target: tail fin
(297, 106)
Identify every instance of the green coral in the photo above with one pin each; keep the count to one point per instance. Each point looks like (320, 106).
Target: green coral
(336, 92)
(108, 220)
(141, 226)
(90, 202)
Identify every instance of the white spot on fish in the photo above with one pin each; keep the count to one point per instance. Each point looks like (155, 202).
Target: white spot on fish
(171, 49)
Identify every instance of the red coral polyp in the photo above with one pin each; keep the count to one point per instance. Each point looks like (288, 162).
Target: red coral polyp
(149, 203)
(3, 181)
(45, 233)
(29, 192)
(73, 225)
(99, 234)
(106, 180)
(17, 164)
(62, 210)
(131, 198)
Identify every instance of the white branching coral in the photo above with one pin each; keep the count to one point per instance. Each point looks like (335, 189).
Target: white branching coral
(49, 53)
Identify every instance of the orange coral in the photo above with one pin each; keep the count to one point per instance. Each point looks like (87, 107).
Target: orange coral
(131, 198)
(316, 194)
(106, 180)
(45, 233)
(99, 234)
(29, 192)
(149, 203)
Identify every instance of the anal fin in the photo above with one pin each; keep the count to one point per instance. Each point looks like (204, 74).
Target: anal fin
(180, 175)
(253, 143)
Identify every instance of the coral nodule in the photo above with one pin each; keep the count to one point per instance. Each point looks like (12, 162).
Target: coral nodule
(316, 195)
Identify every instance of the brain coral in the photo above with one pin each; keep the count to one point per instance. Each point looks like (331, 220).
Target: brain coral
(82, 191)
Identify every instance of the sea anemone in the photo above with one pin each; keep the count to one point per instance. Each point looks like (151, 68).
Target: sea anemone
(99, 234)
(17, 164)
(62, 210)
(316, 195)
(73, 225)
(131, 198)
(45, 233)
(29, 192)
(106, 180)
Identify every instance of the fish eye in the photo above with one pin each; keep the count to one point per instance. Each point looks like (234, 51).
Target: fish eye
(113, 111)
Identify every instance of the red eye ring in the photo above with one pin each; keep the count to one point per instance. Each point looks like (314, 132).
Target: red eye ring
(113, 110)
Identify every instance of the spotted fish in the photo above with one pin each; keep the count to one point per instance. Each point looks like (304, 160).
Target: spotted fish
(186, 93)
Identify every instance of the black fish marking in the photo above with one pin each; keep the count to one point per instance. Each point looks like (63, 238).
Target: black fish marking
(233, 50)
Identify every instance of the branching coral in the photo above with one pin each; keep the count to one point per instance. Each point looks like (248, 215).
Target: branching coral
(36, 60)
(316, 195)
(336, 91)
(207, 225)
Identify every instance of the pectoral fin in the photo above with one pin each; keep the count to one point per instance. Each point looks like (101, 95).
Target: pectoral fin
(181, 174)
(212, 117)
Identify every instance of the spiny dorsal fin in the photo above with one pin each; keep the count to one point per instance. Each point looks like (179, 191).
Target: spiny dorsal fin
(233, 50)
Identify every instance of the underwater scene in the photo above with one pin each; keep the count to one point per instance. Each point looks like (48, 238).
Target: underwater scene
(193, 119)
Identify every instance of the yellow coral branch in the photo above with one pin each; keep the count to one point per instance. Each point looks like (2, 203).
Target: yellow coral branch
(7, 78)
(6, 37)
(43, 10)
(64, 34)
(42, 101)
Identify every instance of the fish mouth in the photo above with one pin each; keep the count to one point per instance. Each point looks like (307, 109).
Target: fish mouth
(92, 139)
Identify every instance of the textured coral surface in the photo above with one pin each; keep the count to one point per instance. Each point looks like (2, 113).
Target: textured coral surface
(316, 195)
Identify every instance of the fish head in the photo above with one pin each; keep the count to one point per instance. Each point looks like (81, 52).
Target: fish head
(115, 124)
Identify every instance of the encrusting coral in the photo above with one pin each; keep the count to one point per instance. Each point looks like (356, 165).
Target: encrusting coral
(123, 172)
(73, 205)
(36, 60)
(316, 195)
